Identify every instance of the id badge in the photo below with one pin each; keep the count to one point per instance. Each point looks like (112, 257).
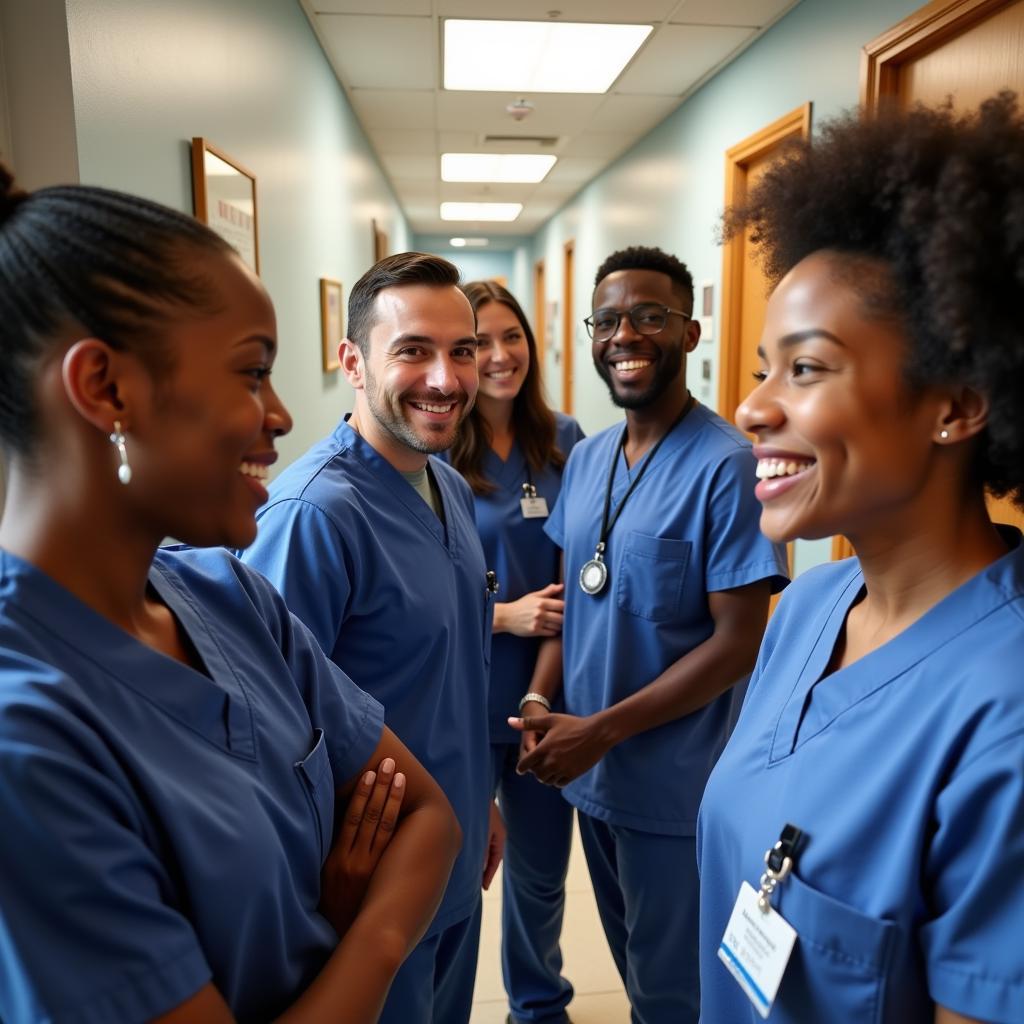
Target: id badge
(756, 948)
(534, 508)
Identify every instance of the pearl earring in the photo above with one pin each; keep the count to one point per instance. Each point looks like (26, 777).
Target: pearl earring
(117, 439)
(944, 434)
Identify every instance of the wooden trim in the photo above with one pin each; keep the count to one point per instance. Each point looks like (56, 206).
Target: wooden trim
(200, 146)
(917, 34)
(330, 345)
(568, 327)
(797, 123)
(539, 317)
(841, 548)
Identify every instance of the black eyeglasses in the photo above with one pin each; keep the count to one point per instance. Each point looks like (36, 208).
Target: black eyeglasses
(647, 318)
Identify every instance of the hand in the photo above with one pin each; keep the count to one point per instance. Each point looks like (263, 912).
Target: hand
(495, 845)
(535, 614)
(529, 740)
(370, 821)
(569, 745)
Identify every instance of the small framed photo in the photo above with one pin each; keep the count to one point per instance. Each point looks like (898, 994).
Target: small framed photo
(225, 199)
(331, 330)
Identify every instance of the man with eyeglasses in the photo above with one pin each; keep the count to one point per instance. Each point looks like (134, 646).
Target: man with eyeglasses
(668, 580)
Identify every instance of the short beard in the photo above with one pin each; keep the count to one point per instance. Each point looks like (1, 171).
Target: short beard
(665, 375)
(399, 427)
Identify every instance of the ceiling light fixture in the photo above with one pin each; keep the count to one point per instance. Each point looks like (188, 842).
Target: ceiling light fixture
(537, 56)
(457, 242)
(481, 211)
(499, 167)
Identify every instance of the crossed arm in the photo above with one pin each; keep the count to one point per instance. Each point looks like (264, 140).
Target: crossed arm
(404, 873)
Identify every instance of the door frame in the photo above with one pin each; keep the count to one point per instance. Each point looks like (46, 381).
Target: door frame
(539, 325)
(795, 124)
(917, 34)
(568, 327)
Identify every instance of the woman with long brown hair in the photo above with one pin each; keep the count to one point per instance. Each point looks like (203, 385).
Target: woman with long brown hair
(511, 450)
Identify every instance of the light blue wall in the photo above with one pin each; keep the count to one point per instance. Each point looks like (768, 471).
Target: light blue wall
(668, 190)
(510, 261)
(250, 76)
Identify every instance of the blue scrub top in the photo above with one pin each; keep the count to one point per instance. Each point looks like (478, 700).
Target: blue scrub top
(524, 558)
(689, 528)
(906, 771)
(161, 828)
(399, 601)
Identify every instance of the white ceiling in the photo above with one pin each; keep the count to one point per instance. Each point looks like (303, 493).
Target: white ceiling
(387, 55)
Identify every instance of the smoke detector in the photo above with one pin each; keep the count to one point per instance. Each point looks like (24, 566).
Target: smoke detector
(520, 109)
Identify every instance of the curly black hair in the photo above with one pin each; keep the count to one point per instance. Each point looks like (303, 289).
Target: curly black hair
(642, 257)
(936, 200)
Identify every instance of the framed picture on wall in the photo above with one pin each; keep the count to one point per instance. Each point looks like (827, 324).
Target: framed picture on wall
(331, 330)
(225, 199)
(380, 242)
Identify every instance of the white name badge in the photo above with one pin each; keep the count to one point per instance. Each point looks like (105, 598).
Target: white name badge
(756, 948)
(534, 508)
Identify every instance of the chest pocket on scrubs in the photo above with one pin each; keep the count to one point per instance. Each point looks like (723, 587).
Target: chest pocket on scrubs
(840, 960)
(315, 773)
(650, 576)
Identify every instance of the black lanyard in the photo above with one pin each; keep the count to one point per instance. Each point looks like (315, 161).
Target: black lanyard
(606, 524)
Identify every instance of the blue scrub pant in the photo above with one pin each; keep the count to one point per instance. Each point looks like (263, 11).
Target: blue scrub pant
(647, 893)
(539, 825)
(435, 984)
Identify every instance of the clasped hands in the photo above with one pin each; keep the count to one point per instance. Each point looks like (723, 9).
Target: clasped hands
(558, 748)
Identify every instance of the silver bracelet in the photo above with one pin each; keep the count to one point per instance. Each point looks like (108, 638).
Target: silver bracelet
(537, 698)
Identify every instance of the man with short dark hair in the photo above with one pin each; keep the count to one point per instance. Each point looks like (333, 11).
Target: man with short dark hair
(668, 579)
(373, 544)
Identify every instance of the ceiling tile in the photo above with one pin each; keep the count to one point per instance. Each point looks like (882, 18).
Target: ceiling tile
(381, 52)
(410, 7)
(678, 56)
(416, 190)
(730, 12)
(597, 144)
(635, 113)
(572, 10)
(475, 192)
(555, 113)
(575, 170)
(410, 167)
(458, 142)
(392, 109)
(388, 142)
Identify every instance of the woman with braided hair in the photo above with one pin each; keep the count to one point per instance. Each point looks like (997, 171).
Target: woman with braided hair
(171, 748)
(878, 763)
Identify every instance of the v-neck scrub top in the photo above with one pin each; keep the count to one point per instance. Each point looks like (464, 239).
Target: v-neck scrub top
(906, 771)
(689, 528)
(399, 600)
(159, 827)
(524, 558)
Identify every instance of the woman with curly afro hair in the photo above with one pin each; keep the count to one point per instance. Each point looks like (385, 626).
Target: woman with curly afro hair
(885, 717)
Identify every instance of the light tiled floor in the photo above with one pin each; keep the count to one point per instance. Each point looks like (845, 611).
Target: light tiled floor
(599, 998)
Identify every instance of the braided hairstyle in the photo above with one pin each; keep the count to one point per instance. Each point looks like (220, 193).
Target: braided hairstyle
(89, 259)
(925, 211)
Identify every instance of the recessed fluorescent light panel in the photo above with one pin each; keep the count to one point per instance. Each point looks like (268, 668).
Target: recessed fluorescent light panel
(504, 167)
(480, 211)
(475, 243)
(537, 56)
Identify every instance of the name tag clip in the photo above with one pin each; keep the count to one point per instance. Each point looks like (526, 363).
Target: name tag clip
(779, 861)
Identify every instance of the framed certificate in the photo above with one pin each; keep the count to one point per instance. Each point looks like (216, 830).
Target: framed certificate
(225, 199)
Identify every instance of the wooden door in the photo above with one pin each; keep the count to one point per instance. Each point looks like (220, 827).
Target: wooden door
(964, 49)
(539, 305)
(744, 286)
(568, 329)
